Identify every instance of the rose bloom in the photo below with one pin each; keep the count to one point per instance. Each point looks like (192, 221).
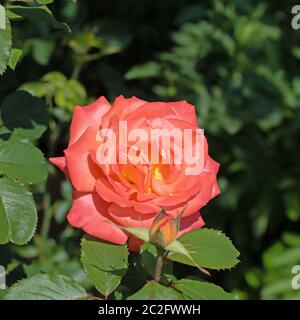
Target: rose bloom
(106, 196)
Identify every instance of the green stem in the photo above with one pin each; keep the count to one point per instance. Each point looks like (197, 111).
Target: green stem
(158, 268)
(76, 71)
(47, 218)
(161, 255)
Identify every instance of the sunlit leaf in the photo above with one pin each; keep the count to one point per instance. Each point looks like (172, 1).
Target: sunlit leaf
(104, 263)
(208, 248)
(18, 216)
(46, 287)
(37, 14)
(197, 289)
(22, 161)
(155, 291)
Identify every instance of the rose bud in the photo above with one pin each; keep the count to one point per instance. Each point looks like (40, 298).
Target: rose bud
(164, 229)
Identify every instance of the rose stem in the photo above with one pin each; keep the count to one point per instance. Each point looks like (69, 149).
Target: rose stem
(158, 267)
(159, 263)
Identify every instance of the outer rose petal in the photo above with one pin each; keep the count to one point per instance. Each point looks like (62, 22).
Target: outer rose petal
(121, 108)
(88, 116)
(211, 165)
(60, 162)
(216, 190)
(180, 110)
(89, 213)
(82, 170)
(185, 111)
(190, 223)
(134, 244)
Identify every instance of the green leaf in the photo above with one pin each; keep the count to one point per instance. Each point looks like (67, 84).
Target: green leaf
(14, 264)
(44, 1)
(5, 46)
(175, 246)
(208, 248)
(146, 70)
(14, 57)
(36, 89)
(22, 161)
(24, 114)
(155, 291)
(141, 233)
(37, 14)
(18, 216)
(3, 292)
(42, 50)
(193, 289)
(46, 287)
(104, 263)
(70, 94)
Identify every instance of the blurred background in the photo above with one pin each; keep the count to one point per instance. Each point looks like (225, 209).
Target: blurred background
(238, 62)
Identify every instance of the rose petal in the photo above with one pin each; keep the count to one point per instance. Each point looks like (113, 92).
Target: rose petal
(106, 191)
(59, 162)
(180, 110)
(89, 212)
(134, 244)
(129, 217)
(121, 108)
(88, 116)
(82, 170)
(211, 165)
(190, 223)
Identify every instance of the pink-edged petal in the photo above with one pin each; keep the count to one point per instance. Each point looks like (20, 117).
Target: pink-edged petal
(121, 107)
(190, 223)
(59, 162)
(107, 192)
(145, 207)
(89, 212)
(184, 111)
(180, 110)
(134, 244)
(191, 186)
(88, 116)
(216, 190)
(82, 170)
(211, 165)
(129, 217)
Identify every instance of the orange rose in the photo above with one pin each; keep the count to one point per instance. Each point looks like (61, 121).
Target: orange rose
(129, 190)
